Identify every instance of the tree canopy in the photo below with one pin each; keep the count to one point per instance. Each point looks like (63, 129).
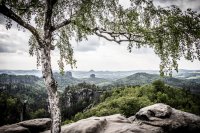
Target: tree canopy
(171, 32)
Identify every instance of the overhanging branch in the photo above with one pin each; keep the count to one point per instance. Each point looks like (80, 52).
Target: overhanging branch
(9, 13)
(118, 37)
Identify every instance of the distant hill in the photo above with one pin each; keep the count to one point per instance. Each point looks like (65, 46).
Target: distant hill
(65, 80)
(111, 75)
(97, 81)
(189, 75)
(145, 78)
(185, 79)
(14, 79)
(137, 79)
(37, 73)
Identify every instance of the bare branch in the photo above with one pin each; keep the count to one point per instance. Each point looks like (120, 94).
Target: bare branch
(117, 37)
(9, 13)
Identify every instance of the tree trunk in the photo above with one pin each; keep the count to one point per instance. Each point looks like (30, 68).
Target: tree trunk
(51, 86)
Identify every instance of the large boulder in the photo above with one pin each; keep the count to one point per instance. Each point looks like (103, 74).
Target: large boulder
(14, 128)
(29, 126)
(108, 124)
(169, 119)
(158, 118)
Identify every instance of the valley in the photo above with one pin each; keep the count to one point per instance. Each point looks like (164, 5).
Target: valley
(83, 94)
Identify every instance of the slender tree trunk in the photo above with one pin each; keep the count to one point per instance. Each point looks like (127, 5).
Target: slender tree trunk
(51, 85)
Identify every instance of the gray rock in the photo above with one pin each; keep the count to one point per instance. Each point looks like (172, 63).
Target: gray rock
(29, 126)
(90, 125)
(14, 128)
(92, 75)
(108, 124)
(158, 118)
(169, 119)
(154, 111)
(69, 74)
(18, 129)
(37, 125)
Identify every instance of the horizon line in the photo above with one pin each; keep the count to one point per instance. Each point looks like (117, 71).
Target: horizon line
(95, 70)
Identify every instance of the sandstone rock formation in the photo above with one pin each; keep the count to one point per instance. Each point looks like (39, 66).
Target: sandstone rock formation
(157, 118)
(69, 74)
(92, 76)
(29, 126)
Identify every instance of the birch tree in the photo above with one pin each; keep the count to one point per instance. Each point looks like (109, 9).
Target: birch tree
(171, 32)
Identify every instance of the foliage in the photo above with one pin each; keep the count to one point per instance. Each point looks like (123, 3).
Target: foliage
(40, 113)
(128, 100)
(67, 122)
(171, 32)
(9, 109)
(14, 91)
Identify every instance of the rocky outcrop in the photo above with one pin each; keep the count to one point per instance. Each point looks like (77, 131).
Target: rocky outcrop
(29, 126)
(92, 76)
(168, 119)
(69, 74)
(158, 118)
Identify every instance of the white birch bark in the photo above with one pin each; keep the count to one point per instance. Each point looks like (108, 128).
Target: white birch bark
(51, 85)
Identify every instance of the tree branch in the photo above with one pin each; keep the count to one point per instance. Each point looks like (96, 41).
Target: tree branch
(10, 14)
(117, 37)
(64, 23)
(48, 15)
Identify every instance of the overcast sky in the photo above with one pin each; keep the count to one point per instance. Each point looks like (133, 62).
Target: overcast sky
(96, 53)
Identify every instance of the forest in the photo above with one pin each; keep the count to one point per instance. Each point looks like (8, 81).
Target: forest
(83, 100)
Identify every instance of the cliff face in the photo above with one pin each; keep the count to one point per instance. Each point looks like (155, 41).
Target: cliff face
(73, 97)
(157, 118)
(74, 101)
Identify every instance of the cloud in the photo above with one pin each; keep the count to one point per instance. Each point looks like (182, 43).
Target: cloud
(91, 44)
(6, 49)
(2, 19)
(12, 40)
(142, 51)
(183, 4)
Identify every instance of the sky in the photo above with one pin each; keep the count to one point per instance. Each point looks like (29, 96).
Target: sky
(95, 53)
